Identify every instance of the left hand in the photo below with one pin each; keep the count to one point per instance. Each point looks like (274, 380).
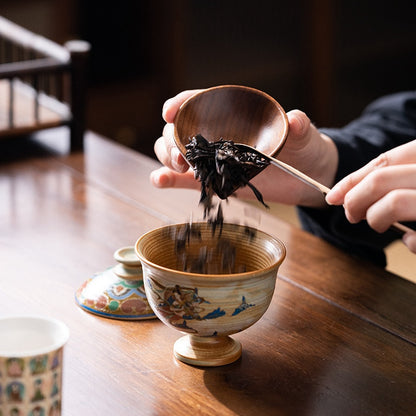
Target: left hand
(382, 192)
(306, 148)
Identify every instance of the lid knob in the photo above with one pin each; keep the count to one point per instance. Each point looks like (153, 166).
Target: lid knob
(129, 266)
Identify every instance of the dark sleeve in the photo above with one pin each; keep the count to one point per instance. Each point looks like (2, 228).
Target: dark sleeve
(386, 123)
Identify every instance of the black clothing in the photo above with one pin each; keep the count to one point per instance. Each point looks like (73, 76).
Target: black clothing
(386, 123)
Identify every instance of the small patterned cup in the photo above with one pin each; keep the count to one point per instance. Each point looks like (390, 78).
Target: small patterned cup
(31, 351)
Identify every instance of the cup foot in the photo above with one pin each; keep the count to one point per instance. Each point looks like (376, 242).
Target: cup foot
(207, 351)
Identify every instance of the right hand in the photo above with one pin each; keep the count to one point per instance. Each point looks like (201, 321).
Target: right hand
(306, 149)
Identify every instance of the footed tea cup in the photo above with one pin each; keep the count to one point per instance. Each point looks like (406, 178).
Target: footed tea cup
(209, 284)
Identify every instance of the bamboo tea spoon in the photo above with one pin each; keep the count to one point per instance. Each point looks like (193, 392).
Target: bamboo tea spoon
(400, 228)
(287, 168)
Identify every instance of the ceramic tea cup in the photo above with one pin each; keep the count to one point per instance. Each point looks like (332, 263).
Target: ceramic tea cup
(227, 286)
(31, 351)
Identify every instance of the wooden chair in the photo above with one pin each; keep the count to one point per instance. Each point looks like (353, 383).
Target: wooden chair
(42, 84)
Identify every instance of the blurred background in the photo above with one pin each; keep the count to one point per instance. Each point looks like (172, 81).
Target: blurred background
(328, 58)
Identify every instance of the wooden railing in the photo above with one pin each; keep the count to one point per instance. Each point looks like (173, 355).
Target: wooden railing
(42, 84)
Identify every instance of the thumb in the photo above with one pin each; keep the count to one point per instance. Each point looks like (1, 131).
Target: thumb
(299, 129)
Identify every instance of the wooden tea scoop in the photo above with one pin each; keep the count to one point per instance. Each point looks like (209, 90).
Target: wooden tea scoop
(231, 111)
(227, 112)
(400, 228)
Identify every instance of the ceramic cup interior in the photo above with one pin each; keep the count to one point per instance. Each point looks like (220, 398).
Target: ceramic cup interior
(27, 336)
(254, 251)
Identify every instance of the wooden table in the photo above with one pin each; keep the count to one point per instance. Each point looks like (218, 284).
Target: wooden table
(338, 339)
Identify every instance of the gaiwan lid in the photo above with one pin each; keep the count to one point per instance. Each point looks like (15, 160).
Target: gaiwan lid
(118, 291)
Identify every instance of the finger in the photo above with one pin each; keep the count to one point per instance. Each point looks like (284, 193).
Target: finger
(299, 124)
(162, 152)
(172, 105)
(166, 178)
(336, 196)
(167, 151)
(400, 155)
(398, 205)
(409, 239)
(177, 160)
(376, 185)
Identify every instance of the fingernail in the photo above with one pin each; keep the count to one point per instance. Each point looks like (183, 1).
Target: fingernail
(334, 197)
(154, 178)
(159, 179)
(175, 157)
(328, 200)
(165, 108)
(301, 122)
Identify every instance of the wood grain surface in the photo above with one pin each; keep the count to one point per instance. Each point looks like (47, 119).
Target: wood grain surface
(338, 338)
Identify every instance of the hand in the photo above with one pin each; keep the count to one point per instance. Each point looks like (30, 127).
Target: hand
(306, 149)
(176, 172)
(382, 192)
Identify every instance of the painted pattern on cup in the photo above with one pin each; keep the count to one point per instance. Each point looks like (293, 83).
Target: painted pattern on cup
(31, 385)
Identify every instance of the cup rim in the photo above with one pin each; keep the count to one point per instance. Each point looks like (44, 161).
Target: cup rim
(212, 277)
(60, 325)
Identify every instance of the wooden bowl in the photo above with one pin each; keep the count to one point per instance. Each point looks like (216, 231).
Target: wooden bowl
(232, 112)
(209, 306)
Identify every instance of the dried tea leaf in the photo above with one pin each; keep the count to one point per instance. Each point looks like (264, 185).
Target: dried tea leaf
(222, 167)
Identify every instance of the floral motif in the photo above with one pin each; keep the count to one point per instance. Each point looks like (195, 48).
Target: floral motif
(124, 288)
(109, 295)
